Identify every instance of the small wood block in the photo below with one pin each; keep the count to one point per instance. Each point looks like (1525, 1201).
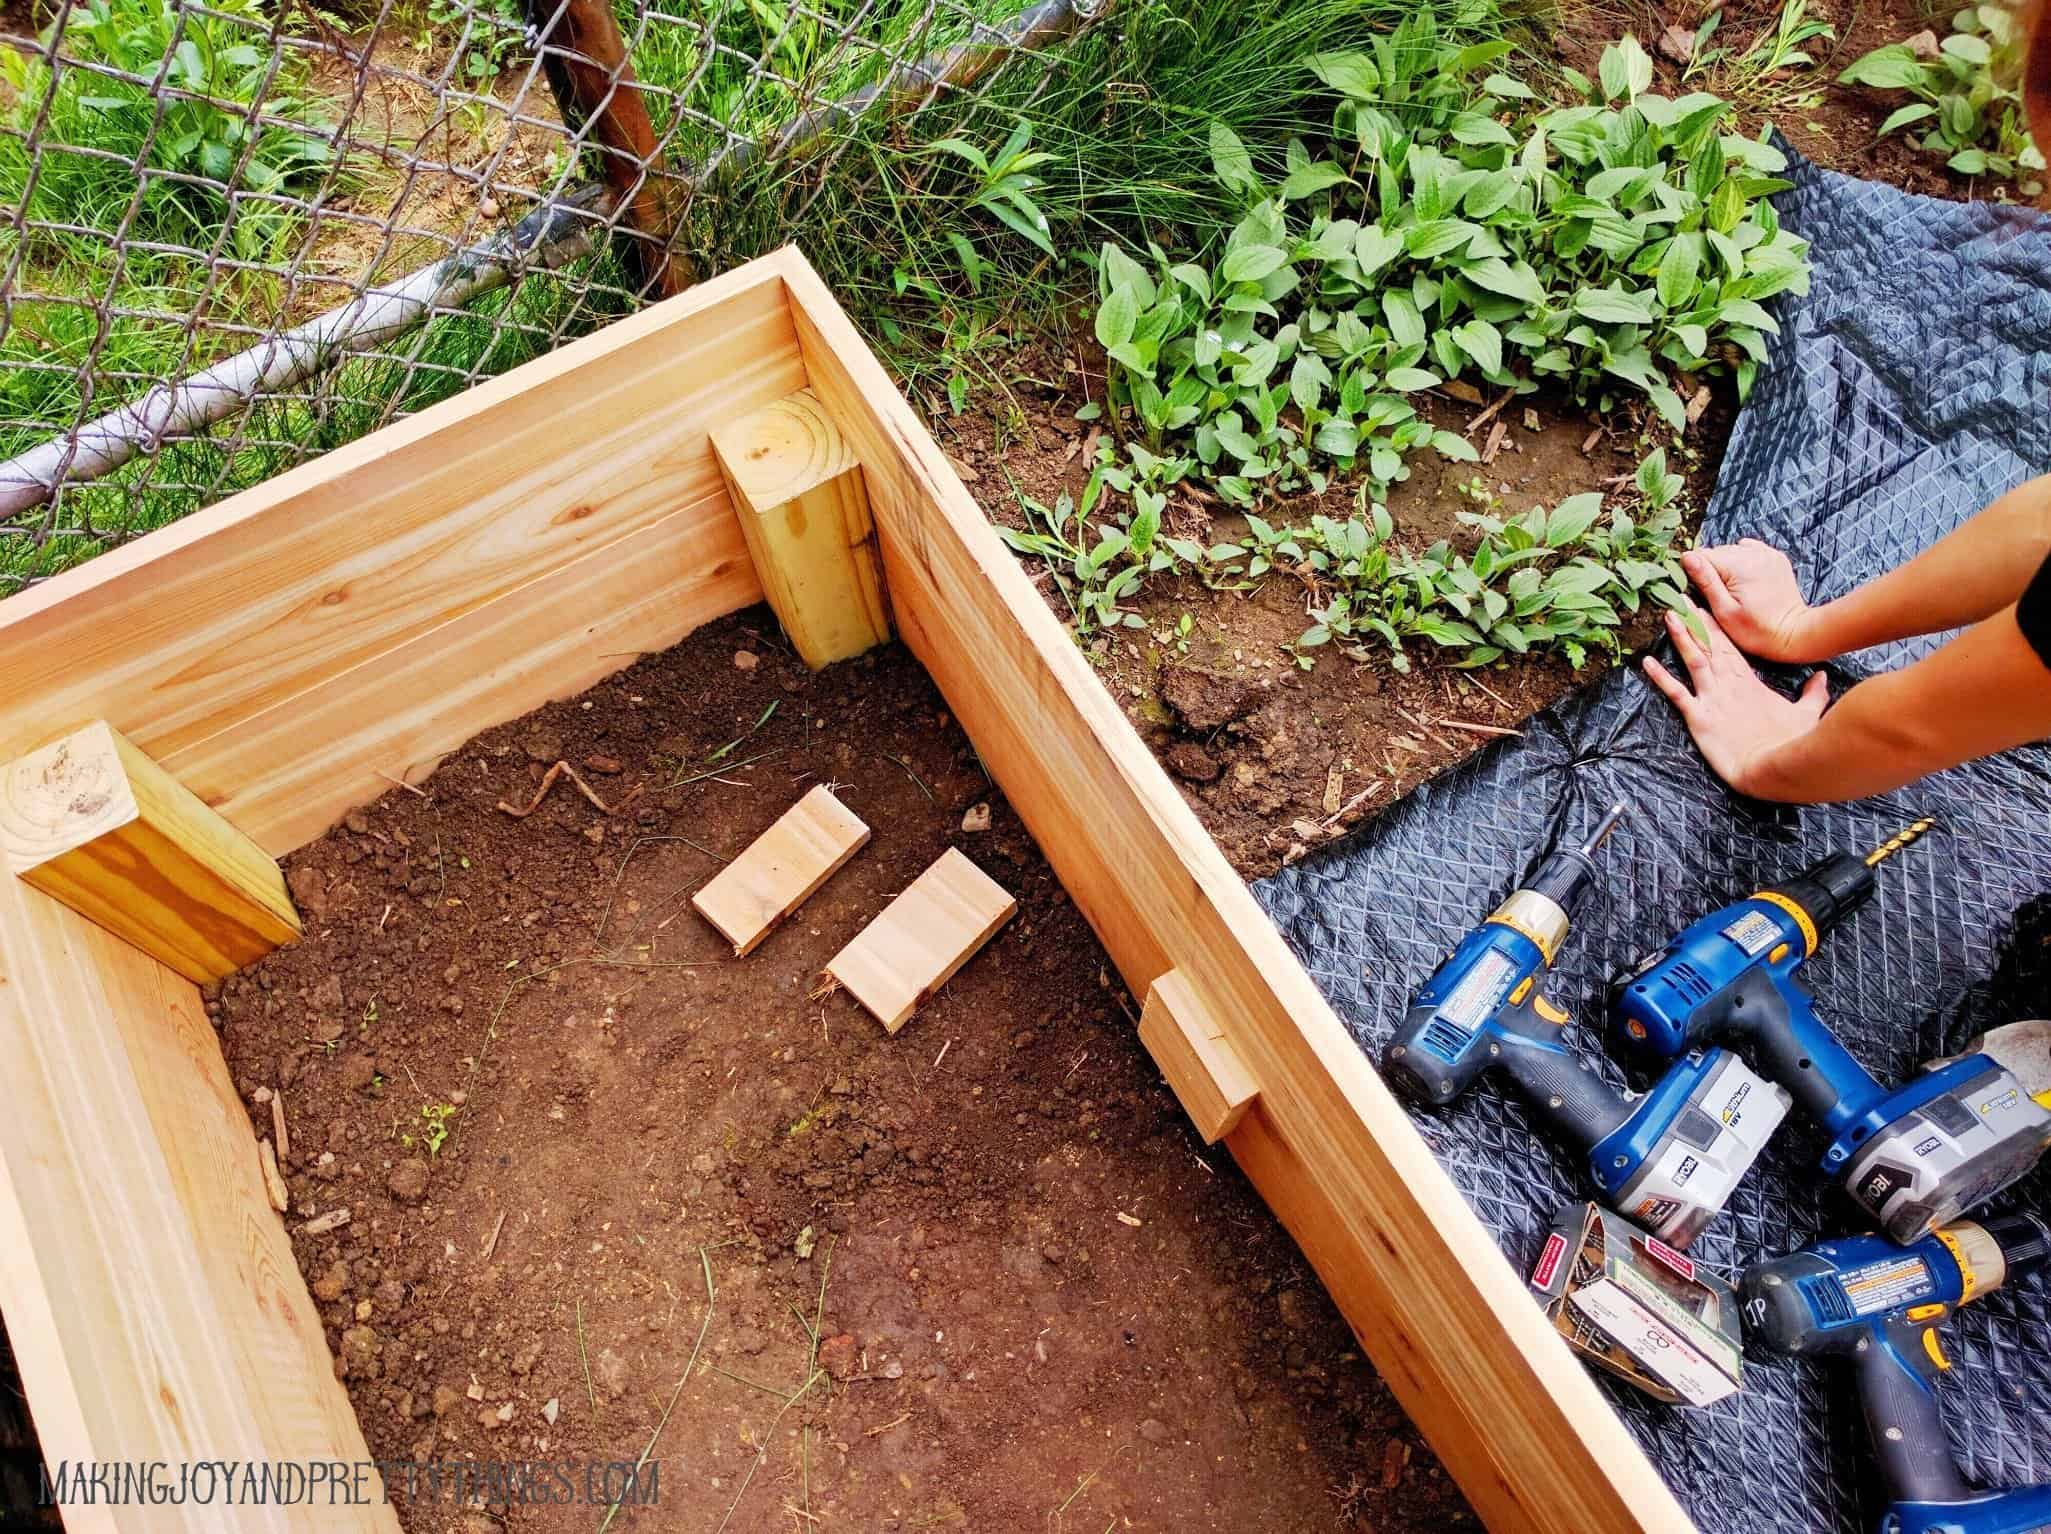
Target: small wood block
(781, 868)
(922, 938)
(96, 824)
(1188, 1043)
(804, 510)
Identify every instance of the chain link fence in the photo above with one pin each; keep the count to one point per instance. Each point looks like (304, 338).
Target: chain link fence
(236, 234)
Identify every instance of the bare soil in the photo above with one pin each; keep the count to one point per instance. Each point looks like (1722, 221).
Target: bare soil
(1040, 1302)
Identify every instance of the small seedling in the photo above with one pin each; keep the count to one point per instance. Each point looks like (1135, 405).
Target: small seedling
(436, 1135)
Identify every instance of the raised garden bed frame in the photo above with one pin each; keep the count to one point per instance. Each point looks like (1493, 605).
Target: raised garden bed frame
(291, 652)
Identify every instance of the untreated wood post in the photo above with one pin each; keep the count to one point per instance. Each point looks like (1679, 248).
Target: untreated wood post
(585, 59)
(93, 822)
(1188, 1043)
(804, 509)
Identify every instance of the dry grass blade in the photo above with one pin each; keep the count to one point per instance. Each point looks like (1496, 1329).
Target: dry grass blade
(691, 1364)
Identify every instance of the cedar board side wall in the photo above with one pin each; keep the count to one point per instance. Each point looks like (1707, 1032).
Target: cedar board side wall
(289, 654)
(1447, 1321)
(291, 651)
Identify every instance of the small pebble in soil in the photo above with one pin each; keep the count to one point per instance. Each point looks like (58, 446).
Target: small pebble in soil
(612, 1372)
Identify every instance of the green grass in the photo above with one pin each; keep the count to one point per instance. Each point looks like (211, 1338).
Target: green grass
(498, 332)
(906, 230)
(1124, 119)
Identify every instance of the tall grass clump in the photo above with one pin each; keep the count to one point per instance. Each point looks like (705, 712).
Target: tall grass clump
(1106, 135)
(160, 105)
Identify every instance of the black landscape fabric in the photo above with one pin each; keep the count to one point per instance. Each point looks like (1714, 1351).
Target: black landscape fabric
(1909, 388)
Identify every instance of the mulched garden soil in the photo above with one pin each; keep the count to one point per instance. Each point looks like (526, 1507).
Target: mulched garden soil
(1040, 1303)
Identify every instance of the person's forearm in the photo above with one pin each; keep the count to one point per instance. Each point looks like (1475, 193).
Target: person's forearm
(1985, 691)
(1969, 574)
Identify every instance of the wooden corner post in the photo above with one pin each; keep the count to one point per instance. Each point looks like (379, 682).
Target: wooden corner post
(93, 822)
(804, 509)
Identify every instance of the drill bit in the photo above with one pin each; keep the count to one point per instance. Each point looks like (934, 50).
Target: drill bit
(1607, 824)
(1900, 839)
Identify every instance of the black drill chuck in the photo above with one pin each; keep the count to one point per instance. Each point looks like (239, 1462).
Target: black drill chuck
(1568, 875)
(1829, 891)
(2025, 1242)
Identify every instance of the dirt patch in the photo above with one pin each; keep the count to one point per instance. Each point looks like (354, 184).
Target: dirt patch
(1045, 1304)
(1276, 758)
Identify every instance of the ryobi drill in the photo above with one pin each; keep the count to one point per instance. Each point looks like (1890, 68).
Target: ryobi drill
(1668, 1159)
(1912, 1156)
(1881, 1304)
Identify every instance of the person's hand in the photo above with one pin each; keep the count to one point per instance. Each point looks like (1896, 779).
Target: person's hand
(1736, 719)
(1750, 589)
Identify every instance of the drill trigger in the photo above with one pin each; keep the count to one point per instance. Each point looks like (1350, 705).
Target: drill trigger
(1935, 1349)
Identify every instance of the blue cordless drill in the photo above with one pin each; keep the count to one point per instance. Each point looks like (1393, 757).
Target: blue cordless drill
(1912, 1156)
(1668, 1159)
(1880, 1304)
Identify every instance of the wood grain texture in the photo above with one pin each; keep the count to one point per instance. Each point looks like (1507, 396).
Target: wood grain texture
(396, 716)
(353, 561)
(94, 822)
(1531, 1439)
(151, 1295)
(781, 869)
(804, 510)
(934, 926)
(1188, 1042)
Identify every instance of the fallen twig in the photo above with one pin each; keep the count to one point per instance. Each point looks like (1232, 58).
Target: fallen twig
(1352, 804)
(321, 1224)
(1479, 729)
(273, 1179)
(401, 783)
(1490, 414)
(560, 769)
(492, 1244)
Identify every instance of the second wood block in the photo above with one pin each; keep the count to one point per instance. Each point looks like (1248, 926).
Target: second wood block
(922, 938)
(781, 868)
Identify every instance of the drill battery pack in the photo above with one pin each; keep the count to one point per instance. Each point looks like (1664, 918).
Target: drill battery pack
(1639, 1309)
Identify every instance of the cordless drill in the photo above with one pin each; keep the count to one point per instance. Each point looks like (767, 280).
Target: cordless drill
(1670, 1158)
(1912, 1156)
(1881, 1304)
